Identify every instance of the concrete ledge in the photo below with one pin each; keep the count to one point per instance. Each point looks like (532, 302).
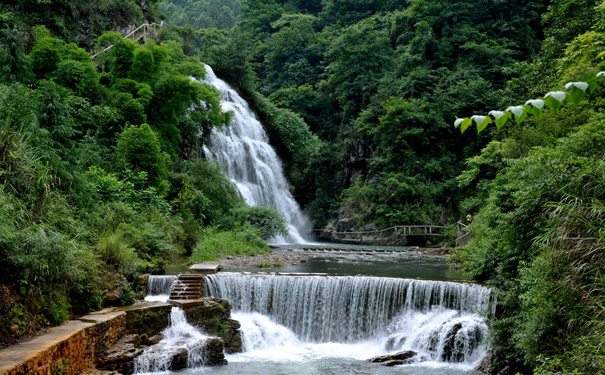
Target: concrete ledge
(204, 268)
(74, 346)
(68, 349)
(186, 303)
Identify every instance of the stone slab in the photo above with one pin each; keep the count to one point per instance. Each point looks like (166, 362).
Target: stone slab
(186, 303)
(204, 268)
(15, 356)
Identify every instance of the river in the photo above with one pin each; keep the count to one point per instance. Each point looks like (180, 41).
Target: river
(332, 313)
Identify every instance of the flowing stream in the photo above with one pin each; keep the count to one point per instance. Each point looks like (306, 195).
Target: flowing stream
(158, 287)
(179, 337)
(441, 321)
(243, 150)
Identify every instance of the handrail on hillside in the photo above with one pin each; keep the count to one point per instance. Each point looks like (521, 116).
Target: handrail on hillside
(132, 34)
(431, 230)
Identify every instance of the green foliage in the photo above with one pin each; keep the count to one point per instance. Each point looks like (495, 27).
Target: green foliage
(45, 56)
(201, 14)
(15, 64)
(203, 190)
(115, 252)
(140, 151)
(266, 220)
(244, 240)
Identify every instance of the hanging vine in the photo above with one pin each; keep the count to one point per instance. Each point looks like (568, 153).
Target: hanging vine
(574, 92)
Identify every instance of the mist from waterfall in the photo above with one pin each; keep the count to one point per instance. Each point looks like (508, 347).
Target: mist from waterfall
(243, 150)
(443, 322)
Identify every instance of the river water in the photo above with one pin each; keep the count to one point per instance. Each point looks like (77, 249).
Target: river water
(338, 314)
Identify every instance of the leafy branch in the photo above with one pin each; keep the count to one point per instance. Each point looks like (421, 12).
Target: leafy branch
(574, 92)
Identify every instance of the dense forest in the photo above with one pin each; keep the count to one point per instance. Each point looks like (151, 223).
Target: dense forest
(99, 175)
(100, 178)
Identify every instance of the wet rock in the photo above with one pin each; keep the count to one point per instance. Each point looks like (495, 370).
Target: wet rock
(370, 228)
(113, 295)
(450, 353)
(153, 339)
(179, 360)
(120, 357)
(345, 225)
(143, 279)
(213, 317)
(214, 351)
(485, 365)
(395, 359)
(394, 342)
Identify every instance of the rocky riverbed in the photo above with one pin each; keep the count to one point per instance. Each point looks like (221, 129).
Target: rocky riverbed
(276, 258)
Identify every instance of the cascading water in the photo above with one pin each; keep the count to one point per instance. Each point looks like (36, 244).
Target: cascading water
(158, 287)
(244, 151)
(178, 337)
(442, 321)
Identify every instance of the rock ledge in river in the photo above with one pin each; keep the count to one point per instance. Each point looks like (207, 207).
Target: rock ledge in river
(400, 358)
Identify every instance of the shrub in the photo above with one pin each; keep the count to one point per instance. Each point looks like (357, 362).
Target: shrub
(238, 241)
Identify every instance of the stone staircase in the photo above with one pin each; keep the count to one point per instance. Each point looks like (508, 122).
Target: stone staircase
(187, 286)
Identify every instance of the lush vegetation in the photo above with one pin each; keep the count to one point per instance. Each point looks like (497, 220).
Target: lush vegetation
(371, 91)
(99, 175)
(100, 180)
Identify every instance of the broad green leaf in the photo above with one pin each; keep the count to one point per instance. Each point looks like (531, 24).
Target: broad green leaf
(554, 99)
(534, 106)
(559, 95)
(482, 122)
(580, 85)
(577, 95)
(497, 114)
(516, 110)
(538, 103)
(500, 118)
(519, 111)
(464, 124)
(592, 85)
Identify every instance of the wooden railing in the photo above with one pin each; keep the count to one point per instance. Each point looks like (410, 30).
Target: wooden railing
(405, 230)
(148, 30)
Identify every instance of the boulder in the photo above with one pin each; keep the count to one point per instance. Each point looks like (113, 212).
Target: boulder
(345, 225)
(485, 365)
(395, 359)
(120, 356)
(214, 352)
(213, 318)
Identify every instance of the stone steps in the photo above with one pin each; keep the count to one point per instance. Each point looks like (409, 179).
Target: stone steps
(187, 287)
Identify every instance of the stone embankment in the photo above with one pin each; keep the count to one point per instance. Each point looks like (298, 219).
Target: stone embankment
(110, 339)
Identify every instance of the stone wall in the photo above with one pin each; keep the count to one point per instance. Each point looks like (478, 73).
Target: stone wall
(74, 346)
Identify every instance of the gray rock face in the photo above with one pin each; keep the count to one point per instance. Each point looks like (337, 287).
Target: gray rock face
(120, 356)
(399, 358)
(485, 366)
(213, 318)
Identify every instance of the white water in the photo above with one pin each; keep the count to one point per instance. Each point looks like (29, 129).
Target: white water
(158, 287)
(306, 318)
(244, 151)
(178, 336)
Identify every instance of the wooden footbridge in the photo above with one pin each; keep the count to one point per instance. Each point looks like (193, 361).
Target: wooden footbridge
(399, 232)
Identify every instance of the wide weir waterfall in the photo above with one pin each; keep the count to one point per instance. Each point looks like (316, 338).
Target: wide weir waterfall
(243, 150)
(441, 321)
(158, 287)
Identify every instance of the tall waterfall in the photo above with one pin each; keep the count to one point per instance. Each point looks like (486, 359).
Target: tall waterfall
(244, 151)
(442, 321)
